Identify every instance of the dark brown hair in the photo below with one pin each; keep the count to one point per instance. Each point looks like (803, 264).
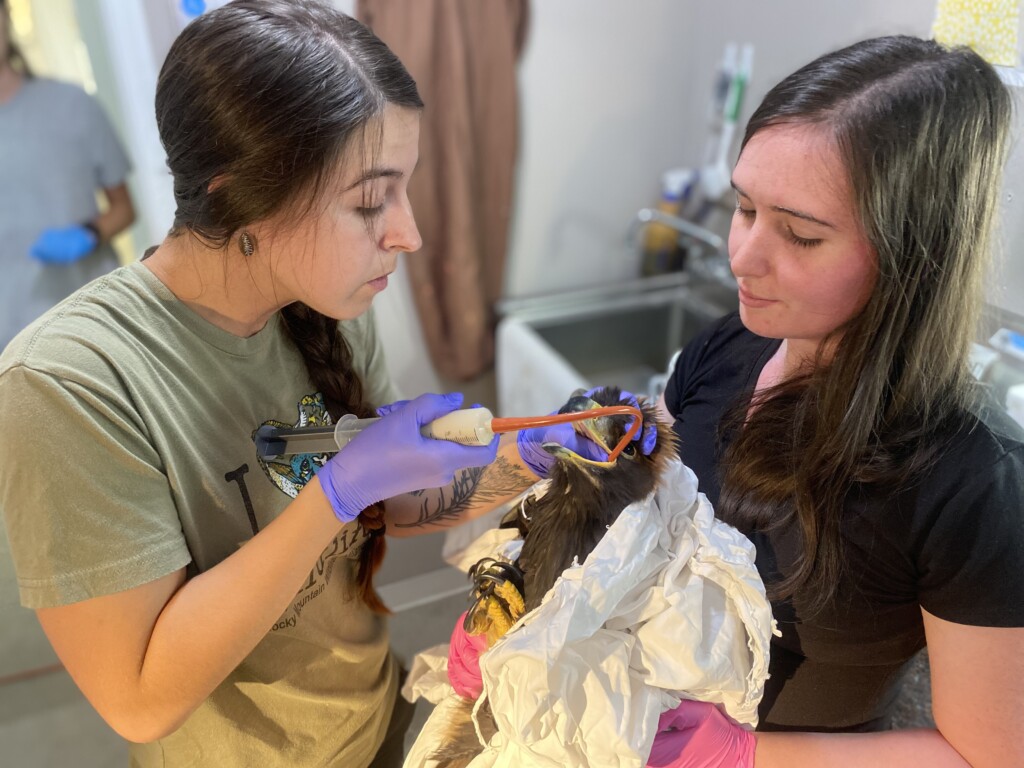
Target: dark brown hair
(922, 131)
(266, 96)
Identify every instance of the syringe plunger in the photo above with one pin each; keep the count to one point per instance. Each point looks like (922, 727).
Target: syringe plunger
(468, 426)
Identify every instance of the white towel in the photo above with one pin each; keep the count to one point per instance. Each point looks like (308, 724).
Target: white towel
(668, 605)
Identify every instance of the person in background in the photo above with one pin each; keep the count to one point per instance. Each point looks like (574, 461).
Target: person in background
(214, 605)
(57, 151)
(834, 421)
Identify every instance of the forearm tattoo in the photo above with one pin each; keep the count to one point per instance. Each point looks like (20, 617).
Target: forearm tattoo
(472, 487)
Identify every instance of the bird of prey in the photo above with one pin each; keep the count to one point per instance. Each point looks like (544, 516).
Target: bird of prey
(559, 529)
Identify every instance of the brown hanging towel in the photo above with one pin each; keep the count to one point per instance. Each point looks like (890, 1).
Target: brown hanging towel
(463, 55)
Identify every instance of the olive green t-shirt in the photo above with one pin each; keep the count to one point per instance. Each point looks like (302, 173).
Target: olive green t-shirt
(127, 423)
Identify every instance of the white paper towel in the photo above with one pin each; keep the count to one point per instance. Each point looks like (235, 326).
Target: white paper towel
(668, 604)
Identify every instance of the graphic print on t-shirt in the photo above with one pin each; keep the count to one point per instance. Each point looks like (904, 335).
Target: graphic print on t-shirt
(290, 475)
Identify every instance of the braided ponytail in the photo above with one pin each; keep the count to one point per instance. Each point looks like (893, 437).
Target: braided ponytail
(269, 128)
(328, 359)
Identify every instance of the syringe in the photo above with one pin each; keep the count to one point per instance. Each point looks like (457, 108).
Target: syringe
(469, 426)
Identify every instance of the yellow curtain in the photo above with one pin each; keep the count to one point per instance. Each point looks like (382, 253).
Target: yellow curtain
(988, 26)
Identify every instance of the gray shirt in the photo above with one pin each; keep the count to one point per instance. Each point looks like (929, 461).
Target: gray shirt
(57, 148)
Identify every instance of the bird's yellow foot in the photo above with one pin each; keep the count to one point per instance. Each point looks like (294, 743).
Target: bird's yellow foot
(497, 599)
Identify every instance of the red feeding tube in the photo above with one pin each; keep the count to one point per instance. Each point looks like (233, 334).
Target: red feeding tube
(513, 424)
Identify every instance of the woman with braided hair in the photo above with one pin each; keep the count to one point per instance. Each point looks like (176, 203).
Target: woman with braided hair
(215, 608)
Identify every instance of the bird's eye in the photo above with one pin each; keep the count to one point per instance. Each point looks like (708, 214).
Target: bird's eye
(629, 450)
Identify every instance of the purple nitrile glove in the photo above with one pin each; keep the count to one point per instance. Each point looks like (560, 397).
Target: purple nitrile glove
(64, 245)
(648, 435)
(391, 457)
(384, 410)
(530, 443)
(540, 461)
(697, 735)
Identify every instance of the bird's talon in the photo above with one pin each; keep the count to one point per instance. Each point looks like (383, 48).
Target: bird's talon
(497, 598)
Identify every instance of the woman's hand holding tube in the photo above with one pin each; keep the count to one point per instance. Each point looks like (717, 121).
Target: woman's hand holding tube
(697, 735)
(531, 441)
(391, 457)
(540, 462)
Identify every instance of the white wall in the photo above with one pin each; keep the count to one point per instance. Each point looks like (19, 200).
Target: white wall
(398, 323)
(612, 94)
(1006, 285)
(612, 98)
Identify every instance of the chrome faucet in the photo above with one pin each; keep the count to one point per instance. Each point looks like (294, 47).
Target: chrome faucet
(713, 263)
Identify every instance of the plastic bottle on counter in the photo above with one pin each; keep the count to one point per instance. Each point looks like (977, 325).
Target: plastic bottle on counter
(661, 250)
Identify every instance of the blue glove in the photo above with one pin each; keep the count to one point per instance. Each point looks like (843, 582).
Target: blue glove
(540, 462)
(392, 457)
(65, 245)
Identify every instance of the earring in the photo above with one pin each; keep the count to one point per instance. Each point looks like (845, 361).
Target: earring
(245, 242)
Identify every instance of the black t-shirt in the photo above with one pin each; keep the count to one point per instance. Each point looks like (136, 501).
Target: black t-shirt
(953, 544)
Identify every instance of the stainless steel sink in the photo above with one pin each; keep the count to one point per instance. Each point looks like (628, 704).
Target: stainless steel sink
(623, 334)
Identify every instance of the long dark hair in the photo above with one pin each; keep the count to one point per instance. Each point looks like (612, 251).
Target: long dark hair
(265, 96)
(922, 131)
(15, 58)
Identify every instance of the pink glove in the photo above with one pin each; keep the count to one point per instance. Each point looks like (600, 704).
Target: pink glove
(464, 661)
(697, 735)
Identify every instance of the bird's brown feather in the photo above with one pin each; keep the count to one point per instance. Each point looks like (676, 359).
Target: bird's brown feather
(563, 526)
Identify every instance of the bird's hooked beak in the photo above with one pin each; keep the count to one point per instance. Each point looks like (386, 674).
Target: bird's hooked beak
(599, 430)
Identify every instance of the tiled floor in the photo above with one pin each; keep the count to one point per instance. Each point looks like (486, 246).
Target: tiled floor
(420, 628)
(46, 723)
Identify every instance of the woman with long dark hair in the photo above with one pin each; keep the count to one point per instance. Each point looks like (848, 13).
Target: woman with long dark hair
(216, 607)
(835, 422)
